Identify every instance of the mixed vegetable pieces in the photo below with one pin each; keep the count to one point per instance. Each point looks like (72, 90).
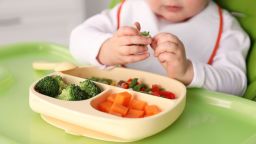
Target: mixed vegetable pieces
(56, 87)
(123, 104)
(138, 86)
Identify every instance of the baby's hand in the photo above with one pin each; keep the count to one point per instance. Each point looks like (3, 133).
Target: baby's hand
(126, 46)
(170, 52)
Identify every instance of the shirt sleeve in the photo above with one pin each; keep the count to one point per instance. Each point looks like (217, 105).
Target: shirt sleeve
(228, 71)
(87, 38)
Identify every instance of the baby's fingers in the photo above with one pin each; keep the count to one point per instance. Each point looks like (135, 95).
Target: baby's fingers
(167, 57)
(135, 58)
(164, 37)
(133, 49)
(127, 31)
(135, 40)
(137, 26)
(166, 47)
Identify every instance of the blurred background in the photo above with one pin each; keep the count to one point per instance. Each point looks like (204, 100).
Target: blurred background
(44, 20)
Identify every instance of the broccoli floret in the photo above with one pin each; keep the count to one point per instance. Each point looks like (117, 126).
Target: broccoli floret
(48, 86)
(61, 83)
(72, 93)
(145, 33)
(90, 88)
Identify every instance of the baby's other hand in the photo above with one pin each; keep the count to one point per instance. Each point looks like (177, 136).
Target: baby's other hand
(171, 54)
(126, 46)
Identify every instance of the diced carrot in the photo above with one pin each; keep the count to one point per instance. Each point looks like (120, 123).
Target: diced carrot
(111, 97)
(123, 98)
(115, 113)
(133, 113)
(123, 105)
(117, 108)
(137, 104)
(105, 106)
(151, 110)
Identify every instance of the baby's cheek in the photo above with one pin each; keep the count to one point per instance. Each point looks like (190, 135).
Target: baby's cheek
(194, 6)
(155, 5)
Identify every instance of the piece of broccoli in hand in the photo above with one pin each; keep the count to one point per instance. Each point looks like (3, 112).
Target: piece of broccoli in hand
(90, 88)
(145, 33)
(61, 83)
(48, 86)
(72, 93)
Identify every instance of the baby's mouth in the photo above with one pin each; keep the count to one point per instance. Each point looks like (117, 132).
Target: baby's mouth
(173, 8)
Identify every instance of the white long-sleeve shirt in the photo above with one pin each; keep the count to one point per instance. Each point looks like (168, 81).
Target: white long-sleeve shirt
(198, 34)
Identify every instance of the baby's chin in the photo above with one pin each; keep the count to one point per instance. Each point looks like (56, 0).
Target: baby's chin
(175, 19)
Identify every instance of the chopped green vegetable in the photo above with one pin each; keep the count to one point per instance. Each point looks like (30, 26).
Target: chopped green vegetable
(48, 86)
(72, 93)
(138, 87)
(102, 80)
(133, 83)
(90, 88)
(145, 33)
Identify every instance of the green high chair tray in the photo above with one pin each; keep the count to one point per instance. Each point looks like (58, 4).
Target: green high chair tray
(209, 117)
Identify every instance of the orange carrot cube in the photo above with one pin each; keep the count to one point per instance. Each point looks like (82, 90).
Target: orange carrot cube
(111, 97)
(123, 98)
(133, 113)
(117, 108)
(105, 106)
(137, 104)
(151, 110)
(115, 113)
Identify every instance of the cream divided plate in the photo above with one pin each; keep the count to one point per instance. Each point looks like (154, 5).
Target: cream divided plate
(82, 117)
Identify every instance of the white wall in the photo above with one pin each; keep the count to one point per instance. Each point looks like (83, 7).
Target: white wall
(39, 20)
(95, 6)
(44, 20)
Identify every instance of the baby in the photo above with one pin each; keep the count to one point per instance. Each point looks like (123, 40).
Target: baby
(193, 41)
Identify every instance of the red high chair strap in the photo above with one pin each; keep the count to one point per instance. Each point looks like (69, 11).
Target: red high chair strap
(119, 13)
(217, 43)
